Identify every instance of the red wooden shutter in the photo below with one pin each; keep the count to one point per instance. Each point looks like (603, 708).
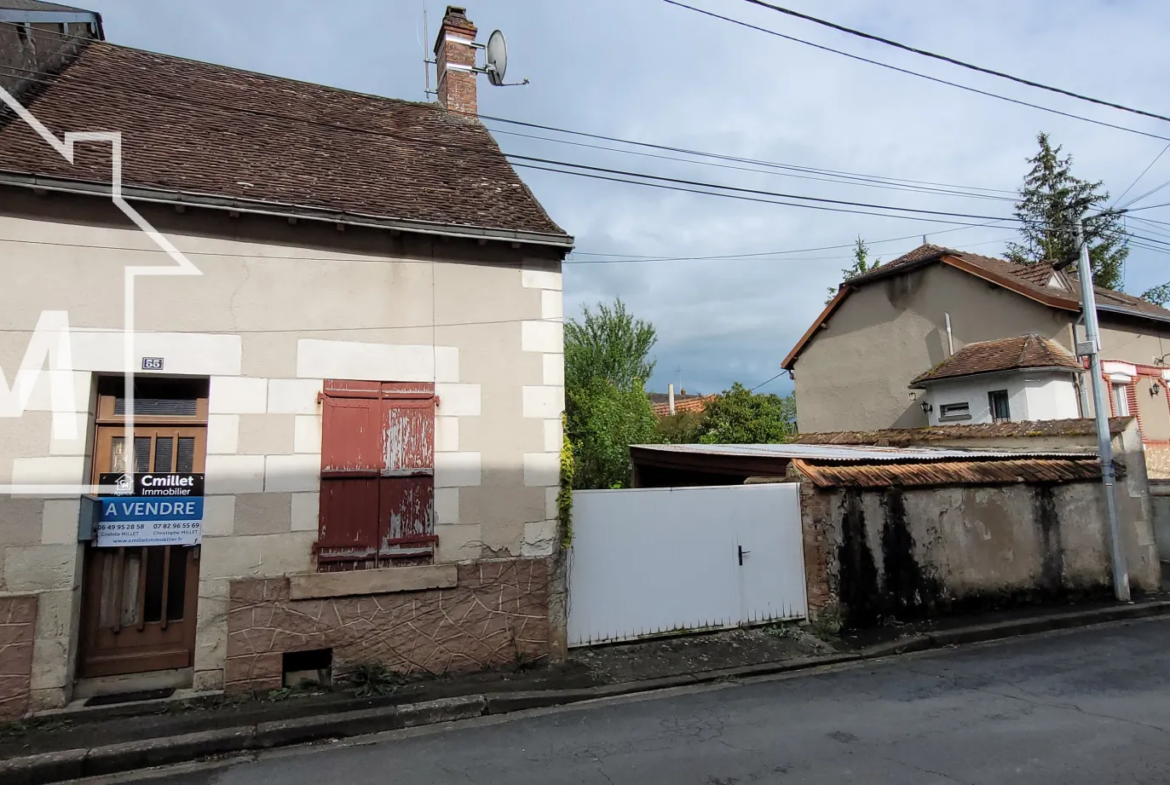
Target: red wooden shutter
(1131, 396)
(377, 474)
(407, 492)
(350, 460)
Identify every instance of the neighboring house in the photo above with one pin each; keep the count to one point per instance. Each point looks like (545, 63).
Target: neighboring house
(368, 368)
(36, 38)
(1021, 378)
(882, 334)
(668, 403)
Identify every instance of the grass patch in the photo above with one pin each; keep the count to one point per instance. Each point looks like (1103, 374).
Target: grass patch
(370, 680)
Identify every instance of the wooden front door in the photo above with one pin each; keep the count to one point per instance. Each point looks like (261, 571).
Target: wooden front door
(139, 604)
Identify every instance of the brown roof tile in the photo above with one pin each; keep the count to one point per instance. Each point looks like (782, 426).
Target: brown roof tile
(691, 403)
(210, 130)
(1007, 354)
(974, 472)
(905, 437)
(38, 5)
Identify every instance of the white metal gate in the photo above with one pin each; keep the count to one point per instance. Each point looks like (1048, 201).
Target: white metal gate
(655, 560)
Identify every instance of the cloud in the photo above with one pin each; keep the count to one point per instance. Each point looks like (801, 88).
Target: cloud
(658, 73)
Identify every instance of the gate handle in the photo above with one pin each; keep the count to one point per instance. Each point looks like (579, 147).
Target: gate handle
(742, 553)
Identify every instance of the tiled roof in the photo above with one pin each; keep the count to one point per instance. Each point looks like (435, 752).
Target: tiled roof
(1021, 351)
(903, 437)
(969, 472)
(208, 130)
(692, 403)
(37, 5)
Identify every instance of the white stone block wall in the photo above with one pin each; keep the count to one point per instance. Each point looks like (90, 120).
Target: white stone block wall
(263, 446)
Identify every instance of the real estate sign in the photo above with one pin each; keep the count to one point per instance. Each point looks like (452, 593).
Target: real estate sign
(151, 509)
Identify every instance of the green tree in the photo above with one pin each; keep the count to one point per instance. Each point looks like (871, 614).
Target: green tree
(1158, 295)
(606, 367)
(1051, 200)
(860, 266)
(609, 344)
(680, 428)
(739, 416)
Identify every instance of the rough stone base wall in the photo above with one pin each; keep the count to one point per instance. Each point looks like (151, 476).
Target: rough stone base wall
(18, 619)
(1158, 461)
(820, 552)
(497, 615)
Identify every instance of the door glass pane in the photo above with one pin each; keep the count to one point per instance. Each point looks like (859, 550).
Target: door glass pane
(186, 461)
(152, 608)
(158, 407)
(177, 583)
(142, 454)
(118, 454)
(164, 449)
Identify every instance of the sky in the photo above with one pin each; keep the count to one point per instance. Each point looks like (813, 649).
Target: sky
(649, 71)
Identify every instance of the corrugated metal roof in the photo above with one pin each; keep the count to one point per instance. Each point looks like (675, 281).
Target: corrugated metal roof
(847, 453)
(1032, 470)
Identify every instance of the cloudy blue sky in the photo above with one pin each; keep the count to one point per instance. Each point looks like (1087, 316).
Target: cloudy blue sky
(649, 71)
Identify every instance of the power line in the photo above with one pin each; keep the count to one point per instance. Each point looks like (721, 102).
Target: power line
(480, 152)
(1137, 179)
(1148, 193)
(953, 61)
(781, 195)
(306, 330)
(769, 381)
(746, 198)
(841, 179)
(916, 73)
(925, 186)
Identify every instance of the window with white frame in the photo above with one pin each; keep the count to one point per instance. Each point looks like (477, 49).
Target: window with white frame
(1120, 399)
(954, 411)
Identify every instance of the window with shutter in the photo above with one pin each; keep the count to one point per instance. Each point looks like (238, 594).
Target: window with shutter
(377, 475)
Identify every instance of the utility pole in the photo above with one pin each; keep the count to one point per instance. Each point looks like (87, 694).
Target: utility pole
(1101, 414)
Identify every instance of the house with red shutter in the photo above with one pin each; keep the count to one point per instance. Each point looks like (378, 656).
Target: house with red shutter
(300, 384)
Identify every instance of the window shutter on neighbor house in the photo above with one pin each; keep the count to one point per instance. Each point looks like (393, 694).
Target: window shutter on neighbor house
(377, 474)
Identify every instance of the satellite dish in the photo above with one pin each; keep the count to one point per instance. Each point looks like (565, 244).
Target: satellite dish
(497, 58)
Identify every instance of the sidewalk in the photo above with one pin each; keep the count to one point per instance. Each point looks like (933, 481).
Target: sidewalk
(119, 738)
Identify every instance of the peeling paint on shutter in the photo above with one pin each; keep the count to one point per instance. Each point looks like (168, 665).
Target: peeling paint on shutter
(377, 475)
(408, 488)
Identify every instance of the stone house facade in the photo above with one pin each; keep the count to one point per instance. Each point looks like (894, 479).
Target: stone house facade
(351, 329)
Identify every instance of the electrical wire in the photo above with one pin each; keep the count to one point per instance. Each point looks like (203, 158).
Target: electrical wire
(839, 180)
(925, 186)
(918, 74)
(1137, 179)
(780, 195)
(484, 154)
(954, 61)
(739, 197)
(769, 381)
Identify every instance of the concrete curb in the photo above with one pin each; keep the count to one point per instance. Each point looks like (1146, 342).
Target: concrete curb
(52, 767)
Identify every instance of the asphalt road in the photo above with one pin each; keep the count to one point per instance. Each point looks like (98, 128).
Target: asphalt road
(1087, 707)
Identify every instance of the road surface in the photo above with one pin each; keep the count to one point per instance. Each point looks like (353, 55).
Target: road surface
(1092, 706)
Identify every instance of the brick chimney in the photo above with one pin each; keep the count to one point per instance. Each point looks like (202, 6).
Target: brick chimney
(454, 61)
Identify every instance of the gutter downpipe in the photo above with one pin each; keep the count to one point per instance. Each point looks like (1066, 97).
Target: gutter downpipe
(950, 338)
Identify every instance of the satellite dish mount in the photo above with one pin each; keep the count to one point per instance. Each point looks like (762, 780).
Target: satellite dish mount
(496, 60)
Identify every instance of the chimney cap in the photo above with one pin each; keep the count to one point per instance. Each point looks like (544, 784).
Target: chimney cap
(456, 16)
